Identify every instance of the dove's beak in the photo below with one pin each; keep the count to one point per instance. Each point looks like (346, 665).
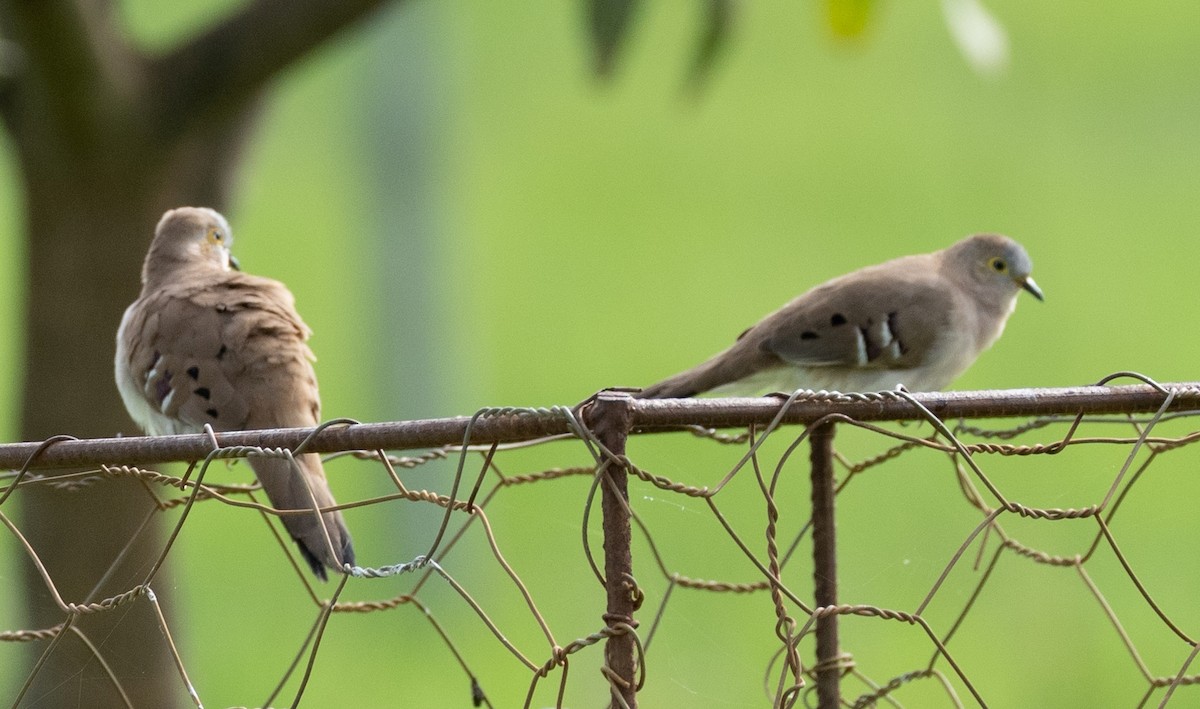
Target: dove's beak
(1028, 284)
(233, 263)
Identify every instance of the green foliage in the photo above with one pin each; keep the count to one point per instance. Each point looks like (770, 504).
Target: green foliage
(611, 21)
(714, 34)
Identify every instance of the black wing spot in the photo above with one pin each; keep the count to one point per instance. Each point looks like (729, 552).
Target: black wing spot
(745, 332)
(837, 319)
(193, 372)
(212, 413)
(808, 335)
(891, 323)
(203, 392)
(221, 352)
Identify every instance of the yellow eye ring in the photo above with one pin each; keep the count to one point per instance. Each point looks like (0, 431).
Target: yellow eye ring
(215, 235)
(998, 264)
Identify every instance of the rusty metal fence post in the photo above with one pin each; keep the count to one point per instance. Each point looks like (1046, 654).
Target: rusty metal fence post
(824, 533)
(611, 420)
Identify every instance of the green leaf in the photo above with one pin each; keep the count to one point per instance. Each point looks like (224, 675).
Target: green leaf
(714, 33)
(609, 21)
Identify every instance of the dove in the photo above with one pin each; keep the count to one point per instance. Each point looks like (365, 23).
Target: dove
(917, 321)
(205, 343)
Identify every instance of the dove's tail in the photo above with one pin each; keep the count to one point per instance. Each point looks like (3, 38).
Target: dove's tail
(734, 372)
(323, 538)
(713, 374)
(683, 385)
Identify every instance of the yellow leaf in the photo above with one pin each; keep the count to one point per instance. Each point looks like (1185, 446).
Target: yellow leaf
(848, 18)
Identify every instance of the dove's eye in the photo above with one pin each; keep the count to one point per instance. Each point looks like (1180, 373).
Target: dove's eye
(215, 235)
(998, 264)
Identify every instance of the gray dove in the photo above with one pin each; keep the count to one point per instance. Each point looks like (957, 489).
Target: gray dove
(917, 321)
(207, 344)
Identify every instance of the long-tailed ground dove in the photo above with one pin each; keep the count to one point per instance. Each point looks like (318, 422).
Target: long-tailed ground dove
(918, 321)
(207, 344)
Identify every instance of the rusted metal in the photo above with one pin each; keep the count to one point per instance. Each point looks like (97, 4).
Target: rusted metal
(610, 419)
(825, 585)
(646, 415)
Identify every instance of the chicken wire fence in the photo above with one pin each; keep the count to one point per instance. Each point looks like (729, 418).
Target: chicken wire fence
(685, 552)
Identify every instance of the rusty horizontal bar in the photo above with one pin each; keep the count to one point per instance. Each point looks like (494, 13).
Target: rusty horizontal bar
(511, 425)
(994, 403)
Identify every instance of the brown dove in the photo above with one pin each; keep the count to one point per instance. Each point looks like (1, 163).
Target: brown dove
(207, 344)
(917, 321)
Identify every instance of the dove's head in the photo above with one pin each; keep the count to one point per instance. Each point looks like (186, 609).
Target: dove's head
(994, 267)
(191, 238)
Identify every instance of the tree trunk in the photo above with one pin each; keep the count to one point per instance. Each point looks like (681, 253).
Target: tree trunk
(108, 138)
(88, 232)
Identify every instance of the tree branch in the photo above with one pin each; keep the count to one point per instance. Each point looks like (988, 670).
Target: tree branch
(71, 50)
(221, 70)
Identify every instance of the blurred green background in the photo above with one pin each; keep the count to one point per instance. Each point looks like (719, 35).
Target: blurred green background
(469, 218)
